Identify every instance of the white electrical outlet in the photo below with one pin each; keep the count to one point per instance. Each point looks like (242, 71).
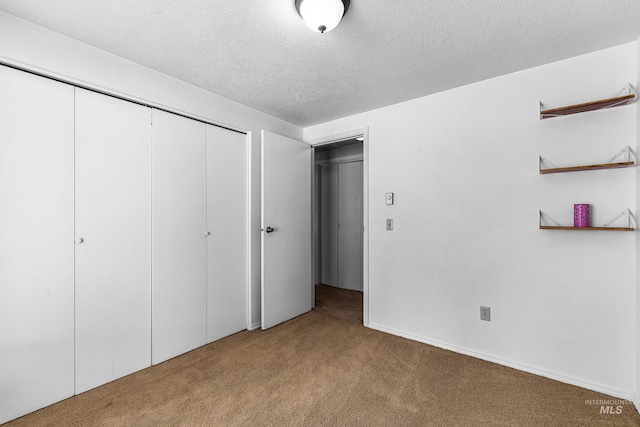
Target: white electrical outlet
(485, 313)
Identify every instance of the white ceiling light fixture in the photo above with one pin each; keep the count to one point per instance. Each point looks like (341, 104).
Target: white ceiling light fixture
(322, 15)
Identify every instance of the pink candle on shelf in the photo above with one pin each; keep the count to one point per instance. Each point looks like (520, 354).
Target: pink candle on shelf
(581, 215)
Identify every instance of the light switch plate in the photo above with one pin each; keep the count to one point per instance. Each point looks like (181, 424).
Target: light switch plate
(388, 198)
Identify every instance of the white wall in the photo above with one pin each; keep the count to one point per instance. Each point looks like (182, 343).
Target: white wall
(637, 333)
(464, 168)
(32, 47)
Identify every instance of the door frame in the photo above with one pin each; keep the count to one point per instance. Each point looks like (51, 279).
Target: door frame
(250, 217)
(342, 136)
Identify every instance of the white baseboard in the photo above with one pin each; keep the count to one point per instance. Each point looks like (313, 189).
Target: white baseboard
(622, 394)
(254, 326)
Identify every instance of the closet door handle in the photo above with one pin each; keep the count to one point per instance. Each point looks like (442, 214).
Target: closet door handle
(207, 233)
(270, 230)
(79, 240)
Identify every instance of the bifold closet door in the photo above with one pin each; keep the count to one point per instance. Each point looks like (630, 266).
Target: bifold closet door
(350, 227)
(227, 224)
(113, 238)
(179, 235)
(36, 242)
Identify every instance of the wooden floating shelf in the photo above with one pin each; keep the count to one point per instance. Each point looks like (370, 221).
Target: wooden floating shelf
(558, 227)
(588, 106)
(588, 167)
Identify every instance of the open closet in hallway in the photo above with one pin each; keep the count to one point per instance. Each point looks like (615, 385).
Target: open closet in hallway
(339, 193)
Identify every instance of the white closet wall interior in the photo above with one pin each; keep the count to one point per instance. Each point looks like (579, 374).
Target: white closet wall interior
(227, 216)
(329, 224)
(341, 224)
(36, 243)
(179, 235)
(113, 219)
(350, 225)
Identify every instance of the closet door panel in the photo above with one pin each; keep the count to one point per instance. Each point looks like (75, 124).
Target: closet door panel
(227, 223)
(350, 226)
(113, 217)
(329, 224)
(179, 240)
(36, 242)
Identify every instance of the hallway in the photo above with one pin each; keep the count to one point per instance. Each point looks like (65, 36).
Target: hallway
(341, 303)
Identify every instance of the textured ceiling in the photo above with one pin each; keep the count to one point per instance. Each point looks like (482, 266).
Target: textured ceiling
(260, 53)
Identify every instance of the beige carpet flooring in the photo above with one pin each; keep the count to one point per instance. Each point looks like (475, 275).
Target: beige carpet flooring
(324, 369)
(340, 303)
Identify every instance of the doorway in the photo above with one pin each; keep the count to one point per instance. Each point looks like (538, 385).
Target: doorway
(339, 227)
(289, 241)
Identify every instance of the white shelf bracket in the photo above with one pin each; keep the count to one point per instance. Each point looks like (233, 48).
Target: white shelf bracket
(544, 162)
(627, 219)
(540, 109)
(626, 150)
(626, 90)
(546, 218)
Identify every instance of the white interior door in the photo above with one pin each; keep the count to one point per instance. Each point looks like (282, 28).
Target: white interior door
(113, 217)
(36, 242)
(179, 235)
(286, 229)
(227, 225)
(350, 227)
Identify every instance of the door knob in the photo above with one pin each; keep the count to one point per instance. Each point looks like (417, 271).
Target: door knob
(79, 240)
(206, 233)
(270, 230)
